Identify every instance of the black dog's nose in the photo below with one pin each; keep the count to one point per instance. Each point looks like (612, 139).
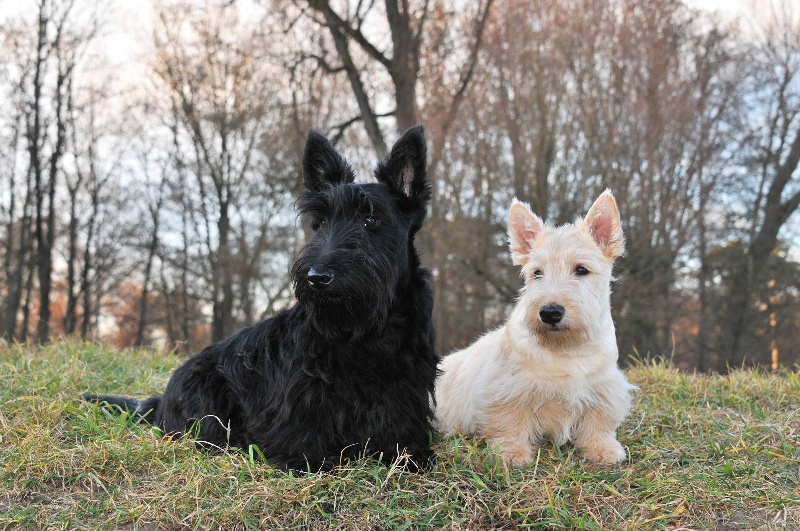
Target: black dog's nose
(552, 313)
(319, 278)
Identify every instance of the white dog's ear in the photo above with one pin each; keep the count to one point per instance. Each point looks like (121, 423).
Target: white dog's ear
(523, 227)
(604, 225)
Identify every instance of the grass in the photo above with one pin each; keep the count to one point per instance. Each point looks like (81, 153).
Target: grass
(719, 452)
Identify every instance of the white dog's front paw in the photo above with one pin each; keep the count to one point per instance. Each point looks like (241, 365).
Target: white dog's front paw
(604, 452)
(516, 455)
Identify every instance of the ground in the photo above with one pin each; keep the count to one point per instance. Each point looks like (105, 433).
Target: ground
(706, 452)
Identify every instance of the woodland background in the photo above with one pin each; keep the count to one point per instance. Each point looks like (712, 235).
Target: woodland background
(150, 158)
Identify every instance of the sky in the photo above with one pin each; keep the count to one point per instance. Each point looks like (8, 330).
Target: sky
(132, 22)
(129, 23)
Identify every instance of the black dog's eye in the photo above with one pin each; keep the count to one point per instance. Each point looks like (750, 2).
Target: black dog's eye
(371, 223)
(538, 273)
(581, 271)
(316, 223)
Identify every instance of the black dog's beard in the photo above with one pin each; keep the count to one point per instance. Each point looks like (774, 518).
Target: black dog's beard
(344, 318)
(359, 303)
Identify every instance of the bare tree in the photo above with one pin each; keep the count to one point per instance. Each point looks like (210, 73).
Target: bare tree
(45, 166)
(100, 202)
(84, 173)
(44, 70)
(17, 212)
(154, 210)
(356, 52)
(73, 184)
(772, 151)
(209, 68)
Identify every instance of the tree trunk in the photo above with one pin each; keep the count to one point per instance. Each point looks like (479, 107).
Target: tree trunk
(26, 307)
(704, 361)
(86, 287)
(16, 279)
(142, 321)
(185, 318)
(34, 134)
(46, 240)
(13, 284)
(70, 316)
(765, 239)
(155, 215)
(222, 280)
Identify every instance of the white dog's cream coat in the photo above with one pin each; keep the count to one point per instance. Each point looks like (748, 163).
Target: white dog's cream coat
(529, 379)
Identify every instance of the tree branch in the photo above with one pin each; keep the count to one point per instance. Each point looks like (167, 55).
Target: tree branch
(342, 127)
(472, 61)
(465, 79)
(360, 93)
(336, 23)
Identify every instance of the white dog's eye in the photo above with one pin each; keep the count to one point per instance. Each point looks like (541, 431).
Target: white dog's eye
(538, 273)
(581, 271)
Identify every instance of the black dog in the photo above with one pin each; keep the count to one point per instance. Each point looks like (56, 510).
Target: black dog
(347, 371)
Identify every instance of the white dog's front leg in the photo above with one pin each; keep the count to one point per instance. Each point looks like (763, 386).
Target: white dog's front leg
(510, 429)
(595, 437)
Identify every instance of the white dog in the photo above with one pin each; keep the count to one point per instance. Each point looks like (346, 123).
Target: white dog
(551, 371)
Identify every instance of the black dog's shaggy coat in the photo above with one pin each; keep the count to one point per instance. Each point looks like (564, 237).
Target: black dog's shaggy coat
(350, 369)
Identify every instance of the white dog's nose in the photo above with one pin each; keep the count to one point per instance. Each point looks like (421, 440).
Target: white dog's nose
(551, 313)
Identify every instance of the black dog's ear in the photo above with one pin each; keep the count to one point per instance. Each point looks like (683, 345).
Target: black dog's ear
(404, 168)
(323, 164)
